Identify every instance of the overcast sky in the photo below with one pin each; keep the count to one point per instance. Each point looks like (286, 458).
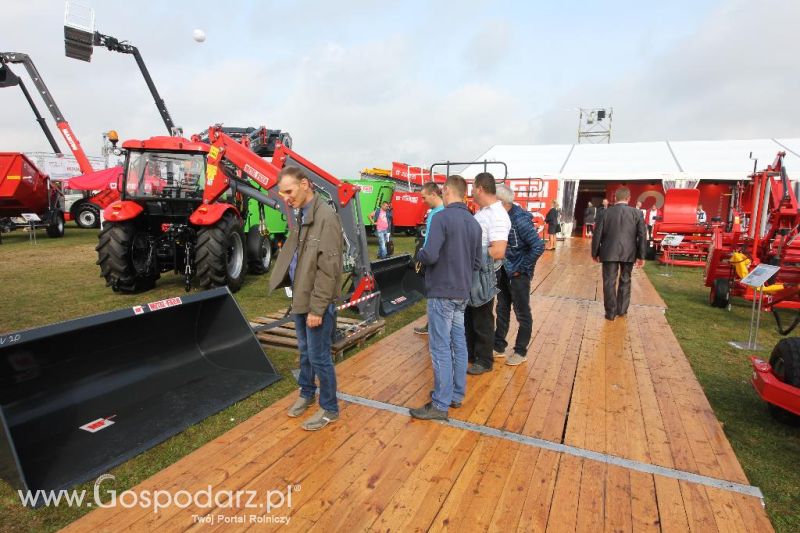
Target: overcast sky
(363, 83)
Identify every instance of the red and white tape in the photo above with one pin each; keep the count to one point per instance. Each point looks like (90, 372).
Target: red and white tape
(358, 301)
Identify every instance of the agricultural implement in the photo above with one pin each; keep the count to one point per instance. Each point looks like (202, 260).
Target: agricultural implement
(763, 229)
(679, 217)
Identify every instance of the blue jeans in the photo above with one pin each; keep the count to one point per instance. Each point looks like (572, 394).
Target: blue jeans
(383, 238)
(448, 346)
(315, 359)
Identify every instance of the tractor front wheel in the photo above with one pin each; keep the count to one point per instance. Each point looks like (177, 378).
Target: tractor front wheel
(259, 251)
(126, 258)
(220, 258)
(87, 216)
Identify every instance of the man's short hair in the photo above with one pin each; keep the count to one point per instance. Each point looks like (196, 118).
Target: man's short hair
(623, 193)
(485, 181)
(295, 173)
(457, 184)
(505, 194)
(432, 188)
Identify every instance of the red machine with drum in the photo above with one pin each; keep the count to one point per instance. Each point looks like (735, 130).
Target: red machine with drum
(679, 217)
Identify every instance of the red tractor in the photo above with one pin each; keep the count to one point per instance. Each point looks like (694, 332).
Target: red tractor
(182, 208)
(679, 217)
(764, 224)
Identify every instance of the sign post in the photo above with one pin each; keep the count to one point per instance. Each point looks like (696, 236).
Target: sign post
(755, 280)
(31, 219)
(669, 241)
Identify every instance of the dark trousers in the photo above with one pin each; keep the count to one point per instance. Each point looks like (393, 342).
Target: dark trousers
(616, 287)
(514, 291)
(479, 329)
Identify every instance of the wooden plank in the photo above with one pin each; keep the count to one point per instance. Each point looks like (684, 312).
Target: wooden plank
(564, 509)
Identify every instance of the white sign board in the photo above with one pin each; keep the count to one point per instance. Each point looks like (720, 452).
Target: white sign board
(31, 217)
(759, 275)
(671, 240)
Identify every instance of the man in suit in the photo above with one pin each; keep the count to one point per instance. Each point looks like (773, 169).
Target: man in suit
(619, 240)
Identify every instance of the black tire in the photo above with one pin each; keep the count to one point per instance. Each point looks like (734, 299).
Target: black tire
(87, 216)
(220, 256)
(785, 361)
(122, 254)
(55, 228)
(259, 252)
(650, 254)
(720, 295)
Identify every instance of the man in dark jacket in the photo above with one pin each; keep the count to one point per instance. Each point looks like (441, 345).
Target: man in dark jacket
(619, 239)
(451, 254)
(311, 262)
(514, 279)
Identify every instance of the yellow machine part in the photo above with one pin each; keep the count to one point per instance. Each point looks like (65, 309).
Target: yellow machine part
(741, 265)
(377, 172)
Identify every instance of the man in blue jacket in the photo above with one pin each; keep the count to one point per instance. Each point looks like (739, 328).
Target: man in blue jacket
(514, 279)
(450, 255)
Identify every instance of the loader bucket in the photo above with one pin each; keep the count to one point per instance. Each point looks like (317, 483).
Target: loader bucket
(79, 397)
(398, 282)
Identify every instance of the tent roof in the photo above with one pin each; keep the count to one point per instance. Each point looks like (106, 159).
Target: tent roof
(716, 160)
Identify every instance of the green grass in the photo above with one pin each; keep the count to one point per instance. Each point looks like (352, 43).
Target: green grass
(57, 279)
(768, 449)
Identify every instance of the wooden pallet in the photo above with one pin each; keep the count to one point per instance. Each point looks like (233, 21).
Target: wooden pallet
(284, 337)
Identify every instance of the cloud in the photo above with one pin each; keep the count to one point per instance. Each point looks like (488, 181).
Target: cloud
(733, 78)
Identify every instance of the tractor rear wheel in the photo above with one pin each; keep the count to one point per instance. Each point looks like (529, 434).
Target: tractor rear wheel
(55, 228)
(220, 258)
(259, 251)
(87, 216)
(125, 258)
(720, 295)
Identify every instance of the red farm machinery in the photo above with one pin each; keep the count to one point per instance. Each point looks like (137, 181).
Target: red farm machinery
(679, 217)
(24, 188)
(763, 228)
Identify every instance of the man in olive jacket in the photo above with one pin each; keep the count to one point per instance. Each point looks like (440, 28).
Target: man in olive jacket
(310, 261)
(619, 239)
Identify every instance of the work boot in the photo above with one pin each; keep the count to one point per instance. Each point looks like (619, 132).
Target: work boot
(300, 406)
(476, 369)
(320, 419)
(428, 412)
(422, 330)
(516, 359)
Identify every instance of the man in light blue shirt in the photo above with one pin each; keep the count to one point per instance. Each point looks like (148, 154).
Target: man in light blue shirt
(432, 194)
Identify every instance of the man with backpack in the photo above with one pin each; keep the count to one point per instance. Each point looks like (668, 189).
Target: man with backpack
(514, 279)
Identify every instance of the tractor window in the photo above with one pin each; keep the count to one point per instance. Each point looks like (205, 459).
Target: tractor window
(165, 175)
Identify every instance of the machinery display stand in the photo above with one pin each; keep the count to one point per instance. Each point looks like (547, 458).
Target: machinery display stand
(669, 242)
(755, 280)
(31, 219)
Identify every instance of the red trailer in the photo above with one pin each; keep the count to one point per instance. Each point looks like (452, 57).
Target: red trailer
(26, 189)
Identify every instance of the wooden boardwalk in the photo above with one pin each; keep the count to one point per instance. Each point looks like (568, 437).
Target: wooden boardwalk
(605, 427)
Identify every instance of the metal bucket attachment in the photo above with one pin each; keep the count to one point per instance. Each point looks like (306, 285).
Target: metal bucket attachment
(399, 283)
(79, 397)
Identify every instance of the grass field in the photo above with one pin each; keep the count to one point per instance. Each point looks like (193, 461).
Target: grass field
(57, 279)
(768, 449)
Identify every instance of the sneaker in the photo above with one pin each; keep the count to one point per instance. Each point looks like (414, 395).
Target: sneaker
(476, 369)
(428, 412)
(516, 359)
(423, 330)
(453, 404)
(499, 353)
(300, 406)
(320, 419)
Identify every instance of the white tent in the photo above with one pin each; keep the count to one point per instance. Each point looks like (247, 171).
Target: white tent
(671, 160)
